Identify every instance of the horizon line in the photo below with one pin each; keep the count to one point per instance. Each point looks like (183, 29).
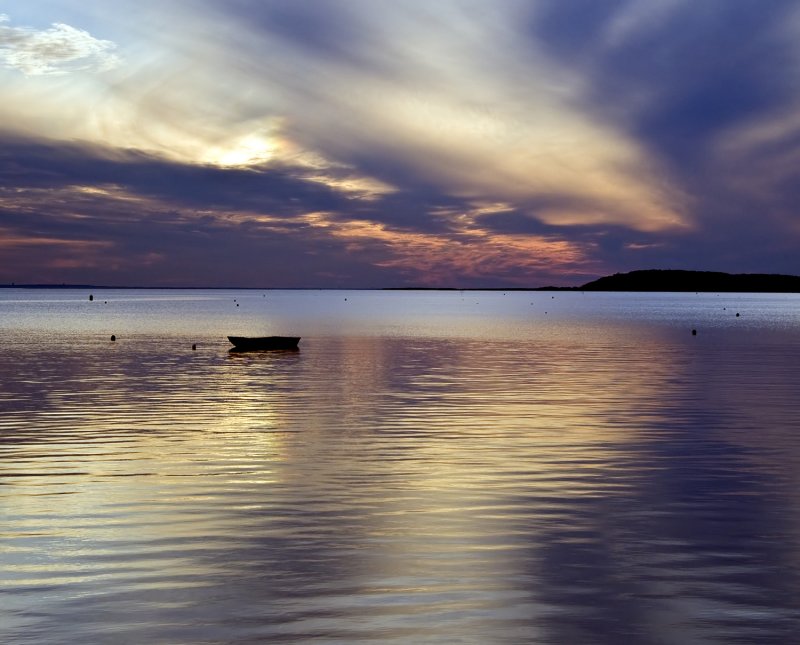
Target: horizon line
(412, 288)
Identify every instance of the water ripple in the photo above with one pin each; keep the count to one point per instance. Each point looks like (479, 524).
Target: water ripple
(626, 485)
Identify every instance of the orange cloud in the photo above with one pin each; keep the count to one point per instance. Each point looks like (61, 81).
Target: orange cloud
(441, 258)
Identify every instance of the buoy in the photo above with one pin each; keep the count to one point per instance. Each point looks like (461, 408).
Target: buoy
(91, 297)
(113, 338)
(737, 314)
(194, 346)
(237, 304)
(694, 332)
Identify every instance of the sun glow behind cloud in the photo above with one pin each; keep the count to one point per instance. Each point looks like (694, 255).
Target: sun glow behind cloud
(250, 150)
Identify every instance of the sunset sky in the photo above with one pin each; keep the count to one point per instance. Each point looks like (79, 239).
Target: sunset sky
(368, 143)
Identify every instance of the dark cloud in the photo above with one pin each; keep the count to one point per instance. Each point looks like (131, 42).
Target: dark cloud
(104, 240)
(88, 214)
(283, 192)
(47, 164)
(415, 210)
(327, 29)
(678, 80)
(681, 84)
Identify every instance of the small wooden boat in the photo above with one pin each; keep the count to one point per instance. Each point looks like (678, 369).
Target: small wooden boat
(250, 343)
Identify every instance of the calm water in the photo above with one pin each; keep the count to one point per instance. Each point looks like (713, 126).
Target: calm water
(429, 467)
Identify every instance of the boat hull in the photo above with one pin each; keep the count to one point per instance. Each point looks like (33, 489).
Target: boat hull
(253, 343)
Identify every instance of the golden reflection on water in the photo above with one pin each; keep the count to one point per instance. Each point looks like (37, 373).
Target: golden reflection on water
(622, 483)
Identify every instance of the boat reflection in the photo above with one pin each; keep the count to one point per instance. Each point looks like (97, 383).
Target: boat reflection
(239, 351)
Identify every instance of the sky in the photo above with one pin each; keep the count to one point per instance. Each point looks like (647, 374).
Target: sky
(376, 143)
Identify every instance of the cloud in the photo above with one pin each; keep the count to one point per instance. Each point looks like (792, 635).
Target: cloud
(61, 49)
(679, 74)
(456, 138)
(151, 227)
(49, 165)
(441, 95)
(708, 90)
(400, 95)
(126, 212)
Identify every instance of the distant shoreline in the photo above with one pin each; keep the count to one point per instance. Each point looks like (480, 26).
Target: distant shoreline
(669, 280)
(665, 281)
(646, 280)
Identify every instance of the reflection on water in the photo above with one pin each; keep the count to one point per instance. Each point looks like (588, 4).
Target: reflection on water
(604, 478)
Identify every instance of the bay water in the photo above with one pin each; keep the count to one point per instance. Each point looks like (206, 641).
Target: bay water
(428, 467)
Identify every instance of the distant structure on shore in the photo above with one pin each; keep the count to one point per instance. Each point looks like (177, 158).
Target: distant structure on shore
(678, 280)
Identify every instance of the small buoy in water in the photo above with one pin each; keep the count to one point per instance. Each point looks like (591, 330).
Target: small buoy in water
(113, 338)
(737, 314)
(194, 346)
(237, 304)
(694, 332)
(91, 297)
